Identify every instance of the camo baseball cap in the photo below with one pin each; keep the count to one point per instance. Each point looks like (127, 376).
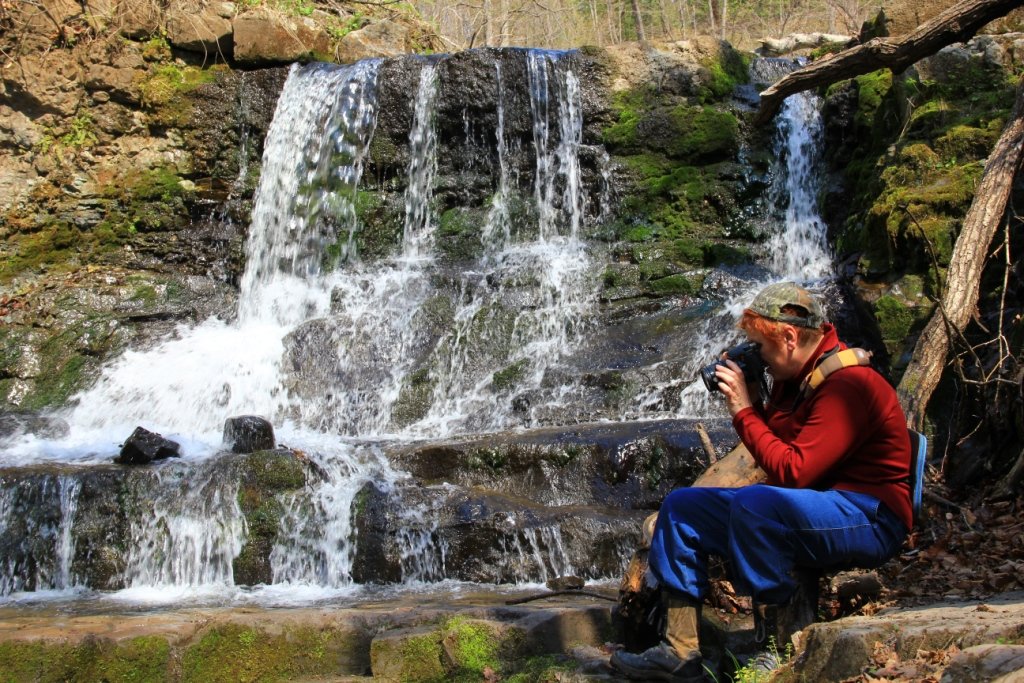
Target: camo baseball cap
(770, 302)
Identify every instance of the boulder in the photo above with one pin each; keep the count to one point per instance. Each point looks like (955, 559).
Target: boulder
(144, 446)
(248, 434)
(207, 32)
(380, 39)
(842, 649)
(986, 663)
(267, 37)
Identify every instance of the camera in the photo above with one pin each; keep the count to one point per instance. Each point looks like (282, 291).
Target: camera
(746, 355)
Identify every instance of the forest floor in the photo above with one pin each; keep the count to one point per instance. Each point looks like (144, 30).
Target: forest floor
(969, 550)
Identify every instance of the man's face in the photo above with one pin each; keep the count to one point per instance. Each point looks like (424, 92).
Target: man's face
(778, 355)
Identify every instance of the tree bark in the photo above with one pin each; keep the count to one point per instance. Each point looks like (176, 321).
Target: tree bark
(638, 19)
(965, 267)
(775, 47)
(956, 24)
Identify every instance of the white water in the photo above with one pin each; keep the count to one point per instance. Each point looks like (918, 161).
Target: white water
(347, 338)
(797, 247)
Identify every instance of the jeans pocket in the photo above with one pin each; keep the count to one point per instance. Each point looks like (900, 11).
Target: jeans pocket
(865, 502)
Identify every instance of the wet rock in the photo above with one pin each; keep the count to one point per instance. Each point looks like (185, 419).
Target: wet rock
(248, 433)
(41, 426)
(144, 446)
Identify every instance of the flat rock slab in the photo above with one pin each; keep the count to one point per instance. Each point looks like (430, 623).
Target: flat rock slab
(843, 649)
(407, 636)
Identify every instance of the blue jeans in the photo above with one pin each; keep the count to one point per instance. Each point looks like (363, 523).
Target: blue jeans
(766, 531)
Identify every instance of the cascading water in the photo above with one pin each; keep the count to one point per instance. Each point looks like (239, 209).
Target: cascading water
(797, 246)
(331, 346)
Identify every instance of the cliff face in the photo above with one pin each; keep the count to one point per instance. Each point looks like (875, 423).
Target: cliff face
(133, 140)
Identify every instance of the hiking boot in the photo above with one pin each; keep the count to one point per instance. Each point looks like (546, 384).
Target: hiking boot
(774, 625)
(677, 657)
(660, 663)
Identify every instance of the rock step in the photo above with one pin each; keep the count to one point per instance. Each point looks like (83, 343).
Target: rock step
(436, 639)
(845, 648)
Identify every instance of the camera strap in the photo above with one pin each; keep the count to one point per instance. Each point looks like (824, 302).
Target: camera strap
(829, 363)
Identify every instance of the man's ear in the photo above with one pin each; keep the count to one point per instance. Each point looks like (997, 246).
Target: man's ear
(791, 336)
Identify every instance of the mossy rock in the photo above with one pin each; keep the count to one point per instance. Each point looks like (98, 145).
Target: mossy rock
(165, 91)
(508, 377)
(233, 652)
(966, 143)
(380, 226)
(265, 475)
(138, 660)
(414, 398)
(460, 649)
(459, 235)
(681, 284)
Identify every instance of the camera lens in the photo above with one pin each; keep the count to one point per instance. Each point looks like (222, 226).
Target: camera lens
(707, 373)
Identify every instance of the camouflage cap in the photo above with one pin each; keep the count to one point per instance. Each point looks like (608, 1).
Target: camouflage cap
(771, 301)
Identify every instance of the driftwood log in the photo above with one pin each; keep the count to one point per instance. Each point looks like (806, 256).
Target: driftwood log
(956, 24)
(776, 47)
(960, 298)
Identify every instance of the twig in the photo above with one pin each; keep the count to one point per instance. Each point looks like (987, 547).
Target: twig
(705, 441)
(551, 594)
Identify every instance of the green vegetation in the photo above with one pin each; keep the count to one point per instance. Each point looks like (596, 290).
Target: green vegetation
(509, 376)
(232, 652)
(165, 91)
(458, 649)
(909, 198)
(266, 475)
(138, 660)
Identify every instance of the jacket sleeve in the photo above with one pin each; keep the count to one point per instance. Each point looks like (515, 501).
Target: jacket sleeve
(837, 421)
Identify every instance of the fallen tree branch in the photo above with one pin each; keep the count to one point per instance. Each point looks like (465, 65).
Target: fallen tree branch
(965, 267)
(953, 25)
(775, 47)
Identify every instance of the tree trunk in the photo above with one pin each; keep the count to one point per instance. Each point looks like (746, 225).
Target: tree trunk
(638, 19)
(956, 24)
(965, 267)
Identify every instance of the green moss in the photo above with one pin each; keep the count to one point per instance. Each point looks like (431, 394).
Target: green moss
(165, 91)
(235, 653)
(872, 89)
(703, 133)
(137, 660)
(493, 459)
(414, 398)
(676, 284)
(156, 49)
(472, 647)
(509, 376)
(894, 319)
(275, 472)
(731, 69)
(629, 106)
(459, 234)
(414, 658)
(965, 143)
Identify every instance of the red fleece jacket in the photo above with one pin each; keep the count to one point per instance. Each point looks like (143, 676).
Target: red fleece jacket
(850, 434)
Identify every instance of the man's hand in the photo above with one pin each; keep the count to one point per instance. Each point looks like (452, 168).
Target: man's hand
(733, 387)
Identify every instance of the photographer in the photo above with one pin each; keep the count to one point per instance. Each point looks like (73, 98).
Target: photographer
(837, 460)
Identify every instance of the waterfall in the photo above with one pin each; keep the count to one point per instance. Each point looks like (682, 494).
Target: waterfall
(186, 532)
(419, 221)
(525, 332)
(797, 246)
(343, 353)
(36, 544)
